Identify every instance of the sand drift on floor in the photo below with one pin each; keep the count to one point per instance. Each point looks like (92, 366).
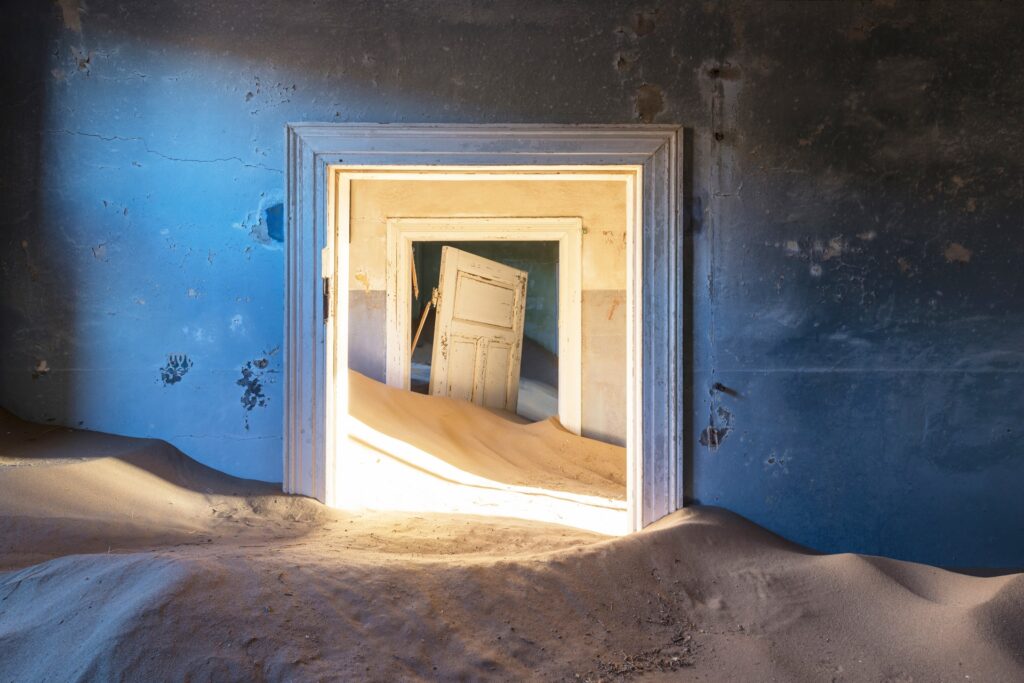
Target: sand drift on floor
(124, 559)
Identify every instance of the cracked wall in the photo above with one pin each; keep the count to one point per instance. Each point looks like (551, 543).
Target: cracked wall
(854, 245)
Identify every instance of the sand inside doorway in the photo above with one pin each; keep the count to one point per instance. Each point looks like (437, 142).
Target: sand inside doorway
(417, 453)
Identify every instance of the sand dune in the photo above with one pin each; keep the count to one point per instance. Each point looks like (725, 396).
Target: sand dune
(127, 560)
(489, 444)
(406, 451)
(64, 491)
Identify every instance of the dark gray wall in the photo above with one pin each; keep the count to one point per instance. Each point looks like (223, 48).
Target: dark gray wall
(855, 201)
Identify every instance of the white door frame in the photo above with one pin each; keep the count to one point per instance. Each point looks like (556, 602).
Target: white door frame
(316, 391)
(568, 232)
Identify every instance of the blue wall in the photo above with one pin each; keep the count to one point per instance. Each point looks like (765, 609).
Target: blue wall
(856, 250)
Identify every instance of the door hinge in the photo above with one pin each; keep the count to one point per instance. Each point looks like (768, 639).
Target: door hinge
(327, 275)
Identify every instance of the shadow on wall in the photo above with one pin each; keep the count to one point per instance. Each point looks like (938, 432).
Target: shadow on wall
(37, 312)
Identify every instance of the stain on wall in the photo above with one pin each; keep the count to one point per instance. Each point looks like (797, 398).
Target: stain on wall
(720, 418)
(648, 102)
(885, 374)
(252, 383)
(957, 253)
(41, 369)
(177, 366)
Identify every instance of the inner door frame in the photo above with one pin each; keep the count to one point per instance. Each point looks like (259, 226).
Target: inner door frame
(566, 231)
(315, 391)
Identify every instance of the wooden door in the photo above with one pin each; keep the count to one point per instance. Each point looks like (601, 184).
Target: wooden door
(478, 333)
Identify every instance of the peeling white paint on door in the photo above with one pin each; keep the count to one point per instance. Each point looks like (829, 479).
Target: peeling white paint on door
(478, 338)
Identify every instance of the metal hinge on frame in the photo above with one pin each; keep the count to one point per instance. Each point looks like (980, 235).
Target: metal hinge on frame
(327, 275)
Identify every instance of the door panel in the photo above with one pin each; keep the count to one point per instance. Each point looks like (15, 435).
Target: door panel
(478, 334)
(487, 303)
(496, 384)
(461, 369)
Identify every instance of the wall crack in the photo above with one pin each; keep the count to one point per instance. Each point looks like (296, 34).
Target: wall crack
(149, 150)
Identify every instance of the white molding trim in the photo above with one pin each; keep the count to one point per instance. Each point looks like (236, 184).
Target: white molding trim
(568, 232)
(315, 393)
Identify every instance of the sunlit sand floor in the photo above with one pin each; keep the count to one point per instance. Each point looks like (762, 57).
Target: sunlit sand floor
(123, 558)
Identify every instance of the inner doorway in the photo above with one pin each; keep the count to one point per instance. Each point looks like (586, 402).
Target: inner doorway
(526, 363)
(552, 353)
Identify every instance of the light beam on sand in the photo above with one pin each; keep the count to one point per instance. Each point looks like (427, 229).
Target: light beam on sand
(380, 472)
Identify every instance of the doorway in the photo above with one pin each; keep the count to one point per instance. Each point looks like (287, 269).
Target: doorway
(534, 367)
(534, 470)
(495, 236)
(645, 157)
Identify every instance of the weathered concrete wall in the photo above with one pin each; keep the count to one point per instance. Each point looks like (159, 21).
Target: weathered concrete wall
(857, 313)
(601, 204)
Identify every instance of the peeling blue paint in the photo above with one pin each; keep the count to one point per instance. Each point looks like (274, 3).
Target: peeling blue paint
(176, 368)
(719, 426)
(252, 381)
(273, 216)
(265, 224)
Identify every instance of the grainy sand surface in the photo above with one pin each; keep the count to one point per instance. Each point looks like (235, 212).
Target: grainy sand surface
(123, 559)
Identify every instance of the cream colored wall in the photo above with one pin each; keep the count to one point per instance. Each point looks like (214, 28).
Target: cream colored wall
(601, 204)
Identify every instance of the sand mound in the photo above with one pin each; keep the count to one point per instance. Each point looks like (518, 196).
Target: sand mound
(999, 616)
(407, 451)
(284, 589)
(115, 492)
(490, 444)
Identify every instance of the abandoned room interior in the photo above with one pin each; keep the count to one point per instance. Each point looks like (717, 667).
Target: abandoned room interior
(512, 340)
